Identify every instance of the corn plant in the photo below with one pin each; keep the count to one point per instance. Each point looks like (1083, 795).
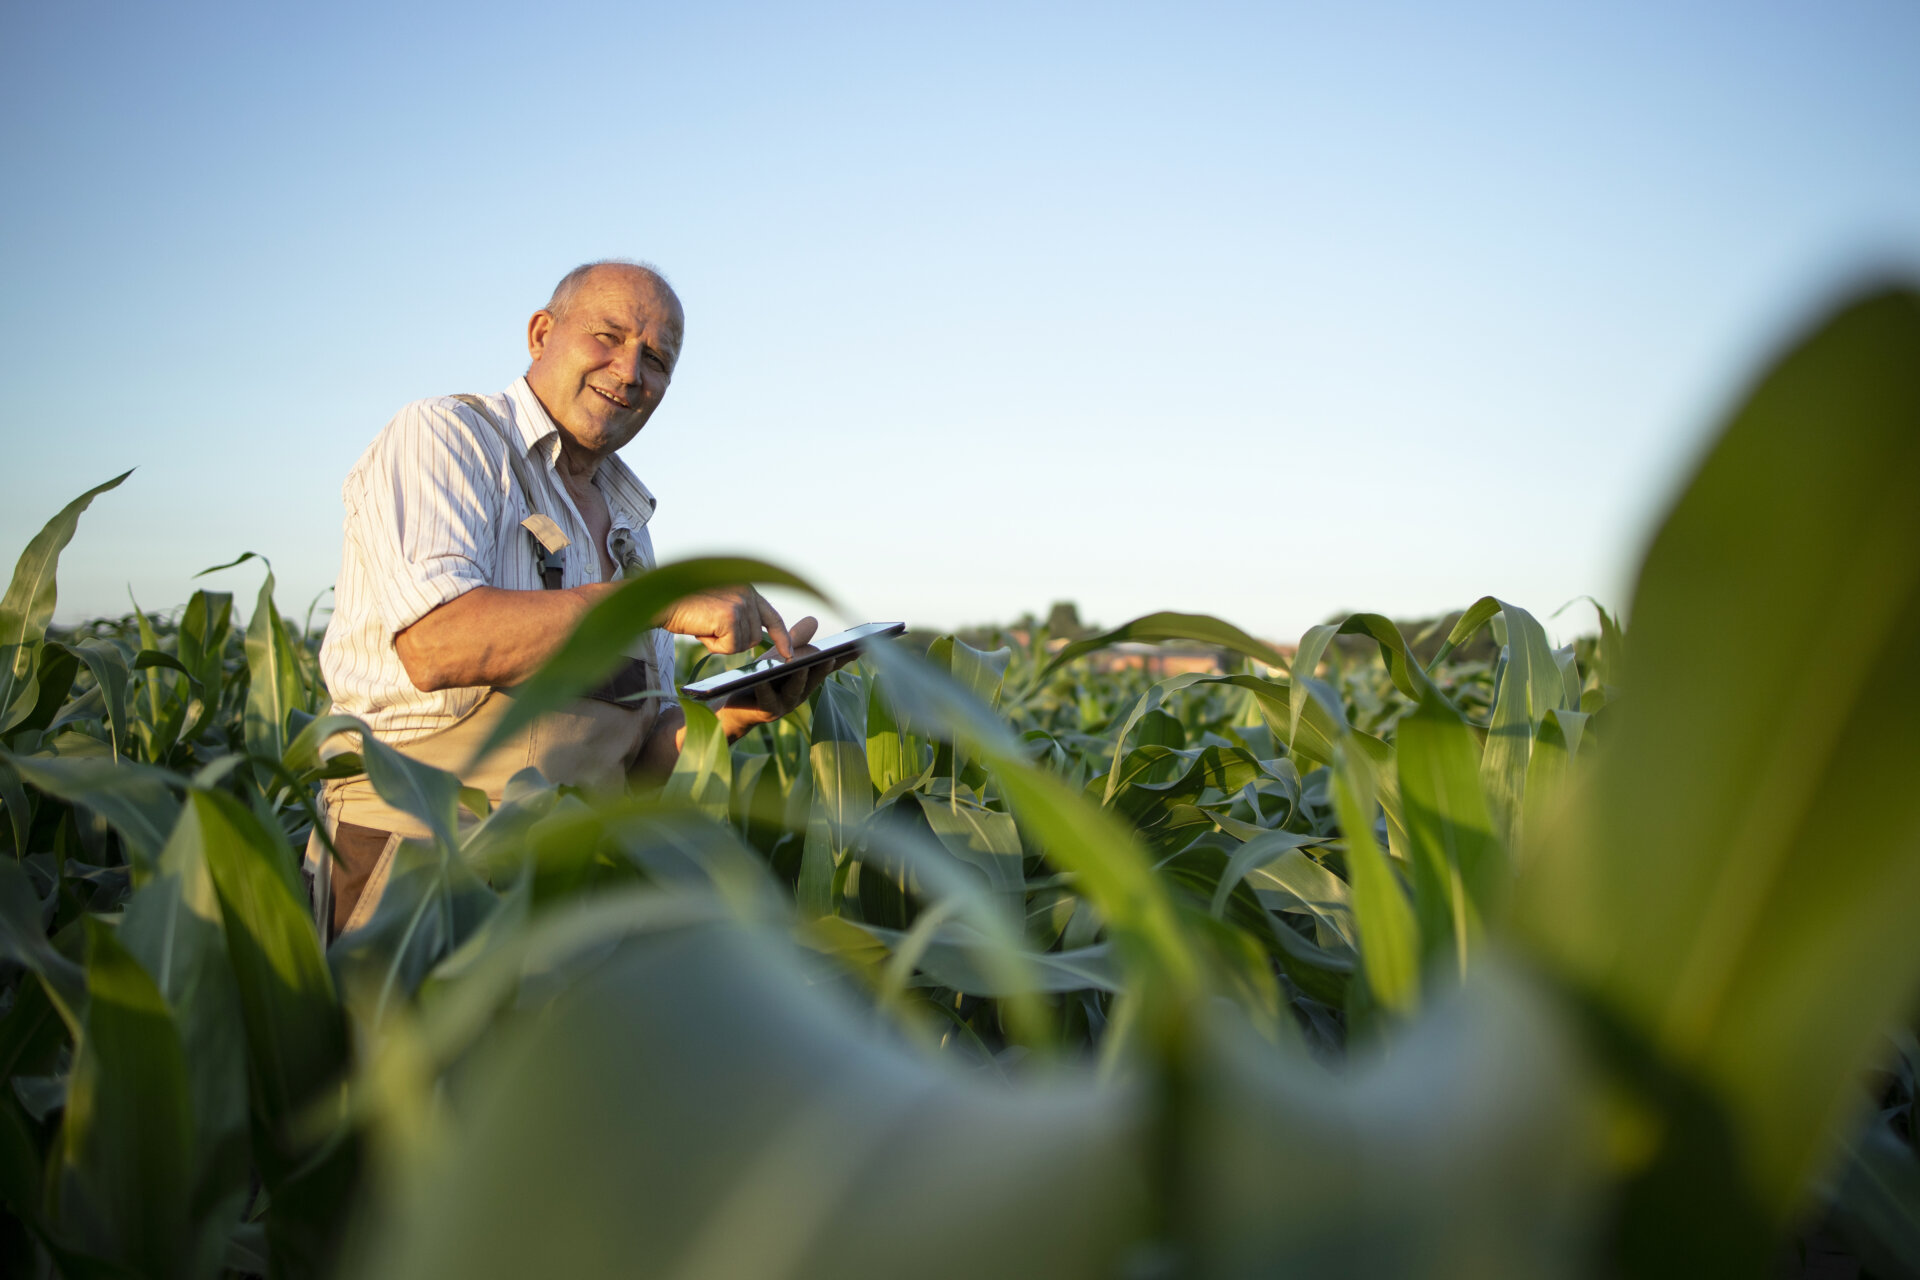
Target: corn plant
(1458, 954)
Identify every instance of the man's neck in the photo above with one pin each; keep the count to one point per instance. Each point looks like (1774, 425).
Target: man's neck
(575, 465)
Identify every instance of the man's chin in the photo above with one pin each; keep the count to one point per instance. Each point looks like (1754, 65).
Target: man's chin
(606, 432)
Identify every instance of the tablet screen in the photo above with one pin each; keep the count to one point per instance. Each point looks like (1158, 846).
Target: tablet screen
(772, 667)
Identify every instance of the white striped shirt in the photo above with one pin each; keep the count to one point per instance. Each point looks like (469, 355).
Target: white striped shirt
(432, 512)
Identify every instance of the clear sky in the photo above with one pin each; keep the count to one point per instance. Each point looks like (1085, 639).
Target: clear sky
(1264, 310)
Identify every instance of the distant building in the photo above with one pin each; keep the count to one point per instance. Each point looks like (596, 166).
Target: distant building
(1162, 660)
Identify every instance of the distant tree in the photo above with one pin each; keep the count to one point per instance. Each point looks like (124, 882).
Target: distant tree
(1063, 620)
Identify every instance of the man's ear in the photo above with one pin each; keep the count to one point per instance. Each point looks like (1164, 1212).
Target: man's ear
(538, 328)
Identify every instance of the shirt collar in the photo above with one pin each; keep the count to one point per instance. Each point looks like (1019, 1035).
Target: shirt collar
(530, 418)
(539, 433)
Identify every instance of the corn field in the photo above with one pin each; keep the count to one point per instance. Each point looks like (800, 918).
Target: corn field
(1378, 960)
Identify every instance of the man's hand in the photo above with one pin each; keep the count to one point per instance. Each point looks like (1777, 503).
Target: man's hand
(767, 702)
(761, 704)
(728, 621)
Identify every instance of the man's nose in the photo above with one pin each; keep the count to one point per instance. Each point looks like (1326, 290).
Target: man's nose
(626, 365)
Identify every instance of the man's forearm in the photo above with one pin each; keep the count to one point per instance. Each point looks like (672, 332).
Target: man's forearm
(492, 636)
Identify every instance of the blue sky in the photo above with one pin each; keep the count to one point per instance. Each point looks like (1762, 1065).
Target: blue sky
(1267, 311)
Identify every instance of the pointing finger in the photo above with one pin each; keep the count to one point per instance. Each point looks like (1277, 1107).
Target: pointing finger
(776, 629)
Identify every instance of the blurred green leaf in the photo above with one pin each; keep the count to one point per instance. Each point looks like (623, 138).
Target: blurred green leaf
(1778, 828)
(1466, 1149)
(703, 774)
(1549, 769)
(126, 1171)
(172, 926)
(1876, 1206)
(949, 958)
(604, 636)
(712, 1115)
(418, 790)
(295, 1033)
(432, 904)
(985, 839)
(981, 672)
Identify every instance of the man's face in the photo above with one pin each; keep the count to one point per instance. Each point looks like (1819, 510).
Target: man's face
(601, 367)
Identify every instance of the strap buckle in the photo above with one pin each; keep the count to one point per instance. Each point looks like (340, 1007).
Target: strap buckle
(548, 543)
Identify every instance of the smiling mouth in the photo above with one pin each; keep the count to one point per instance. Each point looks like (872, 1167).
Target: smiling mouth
(608, 395)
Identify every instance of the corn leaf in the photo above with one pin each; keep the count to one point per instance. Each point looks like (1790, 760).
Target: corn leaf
(126, 1167)
(1530, 687)
(1780, 829)
(274, 687)
(1089, 841)
(604, 636)
(109, 668)
(1154, 628)
(138, 800)
(795, 1142)
(984, 839)
(1389, 933)
(27, 607)
(1465, 1148)
(23, 941)
(842, 793)
(1460, 870)
(703, 774)
(172, 926)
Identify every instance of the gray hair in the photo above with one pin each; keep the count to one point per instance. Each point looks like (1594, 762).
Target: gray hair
(570, 283)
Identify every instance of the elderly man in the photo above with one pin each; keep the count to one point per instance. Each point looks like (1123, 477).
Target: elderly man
(479, 531)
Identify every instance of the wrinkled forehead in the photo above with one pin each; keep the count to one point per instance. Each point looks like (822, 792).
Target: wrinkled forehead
(634, 298)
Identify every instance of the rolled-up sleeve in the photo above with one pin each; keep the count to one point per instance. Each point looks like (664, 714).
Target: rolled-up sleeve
(423, 507)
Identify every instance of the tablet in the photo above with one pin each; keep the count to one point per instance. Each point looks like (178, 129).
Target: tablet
(772, 667)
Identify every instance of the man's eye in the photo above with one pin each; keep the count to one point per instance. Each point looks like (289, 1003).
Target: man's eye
(607, 338)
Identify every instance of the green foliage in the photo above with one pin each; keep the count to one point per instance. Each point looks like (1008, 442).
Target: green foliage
(1509, 961)
(1772, 814)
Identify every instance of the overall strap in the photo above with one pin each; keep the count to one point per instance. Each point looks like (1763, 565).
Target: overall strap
(548, 541)
(634, 677)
